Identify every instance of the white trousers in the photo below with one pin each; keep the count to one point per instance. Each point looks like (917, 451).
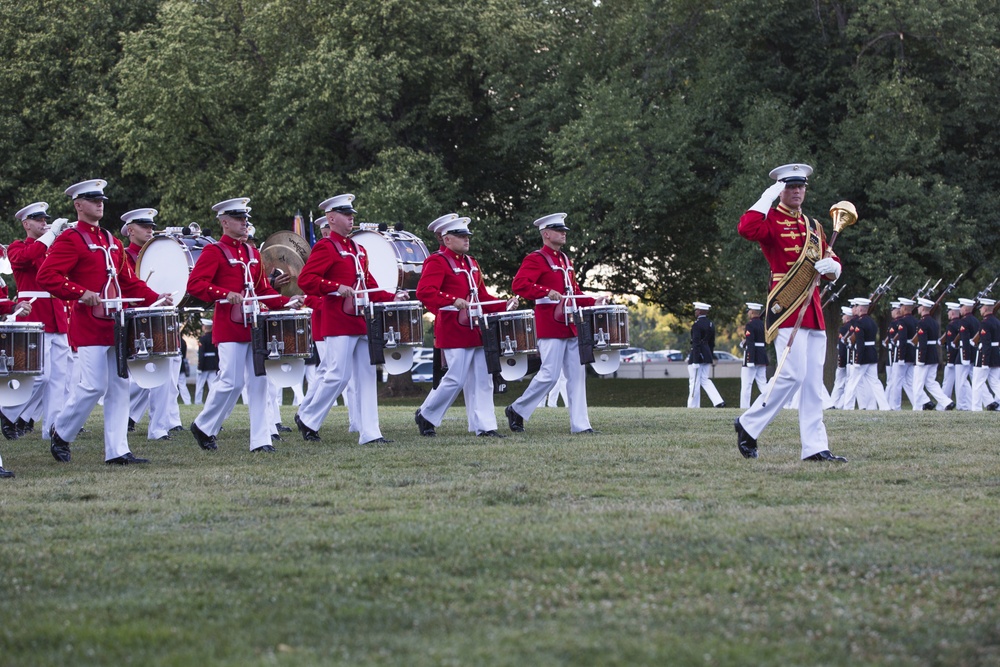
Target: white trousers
(963, 386)
(864, 386)
(466, 373)
(204, 379)
(981, 394)
(839, 385)
(342, 359)
(559, 355)
(183, 390)
(803, 372)
(947, 383)
(925, 383)
(700, 377)
(749, 375)
(98, 377)
(234, 359)
(50, 390)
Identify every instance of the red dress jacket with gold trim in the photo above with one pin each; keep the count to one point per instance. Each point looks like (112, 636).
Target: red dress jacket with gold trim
(535, 279)
(26, 257)
(781, 235)
(324, 272)
(213, 278)
(71, 268)
(440, 286)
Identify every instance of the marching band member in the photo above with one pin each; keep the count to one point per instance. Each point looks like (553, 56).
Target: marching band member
(754, 355)
(700, 359)
(450, 286)
(925, 372)
(51, 388)
(230, 273)
(546, 276)
(337, 270)
(87, 266)
(788, 239)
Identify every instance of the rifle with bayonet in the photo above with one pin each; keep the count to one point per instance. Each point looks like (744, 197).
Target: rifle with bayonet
(926, 290)
(833, 297)
(945, 292)
(881, 291)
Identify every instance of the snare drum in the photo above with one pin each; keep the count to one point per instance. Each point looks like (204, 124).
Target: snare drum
(402, 322)
(288, 333)
(610, 326)
(21, 348)
(165, 263)
(516, 331)
(152, 332)
(395, 258)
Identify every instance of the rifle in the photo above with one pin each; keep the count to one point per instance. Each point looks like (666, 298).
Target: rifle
(881, 291)
(926, 291)
(985, 292)
(833, 297)
(922, 290)
(947, 290)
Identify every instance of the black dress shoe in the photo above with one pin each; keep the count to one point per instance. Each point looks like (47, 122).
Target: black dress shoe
(59, 448)
(490, 434)
(426, 428)
(24, 427)
(131, 425)
(308, 434)
(275, 437)
(929, 405)
(264, 448)
(378, 441)
(825, 455)
(951, 406)
(746, 444)
(282, 428)
(720, 405)
(992, 407)
(514, 420)
(6, 474)
(126, 459)
(176, 428)
(8, 428)
(205, 441)
(588, 431)
(165, 437)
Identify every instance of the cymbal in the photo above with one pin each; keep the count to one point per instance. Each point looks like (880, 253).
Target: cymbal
(288, 252)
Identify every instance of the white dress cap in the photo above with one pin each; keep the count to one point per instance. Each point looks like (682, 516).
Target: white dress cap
(141, 216)
(458, 226)
(92, 189)
(792, 173)
(903, 301)
(435, 226)
(894, 304)
(754, 306)
(235, 208)
(555, 221)
(846, 310)
(206, 323)
(340, 203)
(970, 303)
(989, 303)
(38, 208)
(861, 301)
(926, 303)
(698, 305)
(952, 305)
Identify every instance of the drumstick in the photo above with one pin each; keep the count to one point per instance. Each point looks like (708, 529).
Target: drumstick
(164, 298)
(253, 298)
(17, 311)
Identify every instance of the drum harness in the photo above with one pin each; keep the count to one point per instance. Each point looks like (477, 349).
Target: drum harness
(584, 329)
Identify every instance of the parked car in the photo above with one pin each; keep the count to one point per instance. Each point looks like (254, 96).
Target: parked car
(423, 372)
(422, 354)
(676, 355)
(632, 355)
(726, 357)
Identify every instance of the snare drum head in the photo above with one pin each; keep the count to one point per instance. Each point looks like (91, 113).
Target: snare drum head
(164, 264)
(514, 368)
(150, 372)
(287, 372)
(606, 362)
(398, 360)
(15, 389)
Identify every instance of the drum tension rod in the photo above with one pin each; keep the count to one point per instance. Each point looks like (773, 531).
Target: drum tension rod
(275, 347)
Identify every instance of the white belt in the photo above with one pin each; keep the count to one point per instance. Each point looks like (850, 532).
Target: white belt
(547, 301)
(932, 342)
(760, 344)
(26, 294)
(869, 342)
(995, 344)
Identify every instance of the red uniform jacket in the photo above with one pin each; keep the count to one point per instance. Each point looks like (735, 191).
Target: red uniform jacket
(26, 258)
(132, 254)
(534, 280)
(781, 235)
(324, 272)
(6, 305)
(440, 286)
(213, 278)
(71, 268)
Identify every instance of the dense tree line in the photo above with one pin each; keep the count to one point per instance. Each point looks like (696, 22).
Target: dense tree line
(653, 123)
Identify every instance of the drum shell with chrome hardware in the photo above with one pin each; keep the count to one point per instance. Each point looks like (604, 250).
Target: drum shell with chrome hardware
(515, 334)
(287, 333)
(165, 263)
(395, 258)
(402, 322)
(609, 324)
(21, 348)
(152, 332)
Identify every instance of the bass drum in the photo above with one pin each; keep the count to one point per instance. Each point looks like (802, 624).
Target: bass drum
(395, 258)
(288, 252)
(165, 263)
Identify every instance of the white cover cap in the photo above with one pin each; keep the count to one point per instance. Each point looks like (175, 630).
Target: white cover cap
(861, 301)
(970, 303)
(141, 216)
(92, 189)
(846, 310)
(435, 226)
(952, 305)
(699, 305)
(340, 203)
(792, 173)
(206, 322)
(235, 208)
(894, 304)
(459, 226)
(989, 303)
(926, 303)
(903, 301)
(33, 209)
(754, 306)
(555, 221)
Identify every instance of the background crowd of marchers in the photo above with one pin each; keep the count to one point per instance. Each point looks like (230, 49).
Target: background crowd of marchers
(652, 123)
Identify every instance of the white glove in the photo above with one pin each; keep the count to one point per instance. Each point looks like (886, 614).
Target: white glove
(58, 225)
(763, 204)
(826, 266)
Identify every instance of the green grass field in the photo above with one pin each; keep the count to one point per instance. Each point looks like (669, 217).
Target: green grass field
(651, 543)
